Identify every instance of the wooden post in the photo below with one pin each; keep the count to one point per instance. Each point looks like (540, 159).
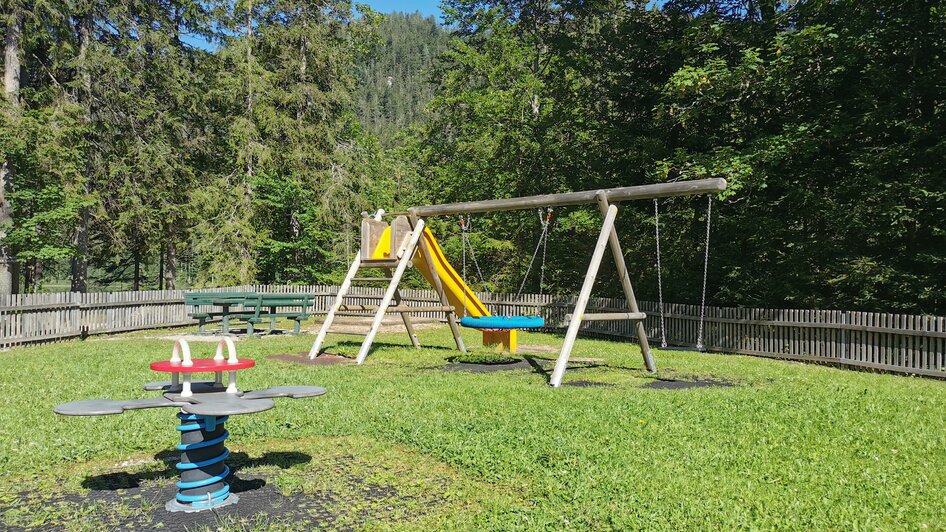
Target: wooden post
(618, 255)
(640, 192)
(339, 298)
(390, 292)
(405, 316)
(438, 284)
(572, 334)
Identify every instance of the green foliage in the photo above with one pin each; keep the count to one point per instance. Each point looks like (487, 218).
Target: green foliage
(393, 87)
(45, 146)
(290, 153)
(825, 118)
(252, 161)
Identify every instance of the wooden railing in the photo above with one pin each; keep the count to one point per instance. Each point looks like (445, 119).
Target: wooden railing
(891, 342)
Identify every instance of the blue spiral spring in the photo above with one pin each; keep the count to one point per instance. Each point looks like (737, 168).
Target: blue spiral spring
(208, 424)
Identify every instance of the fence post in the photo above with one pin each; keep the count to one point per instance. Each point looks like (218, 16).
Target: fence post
(843, 335)
(76, 314)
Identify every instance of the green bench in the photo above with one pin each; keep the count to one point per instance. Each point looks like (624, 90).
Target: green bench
(296, 307)
(223, 300)
(251, 307)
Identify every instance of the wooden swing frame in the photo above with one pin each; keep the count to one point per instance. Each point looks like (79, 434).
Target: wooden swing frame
(608, 238)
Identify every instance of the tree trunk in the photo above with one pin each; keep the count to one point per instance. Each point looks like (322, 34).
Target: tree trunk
(11, 89)
(80, 261)
(160, 270)
(768, 10)
(170, 266)
(136, 279)
(80, 264)
(39, 268)
(249, 87)
(28, 276)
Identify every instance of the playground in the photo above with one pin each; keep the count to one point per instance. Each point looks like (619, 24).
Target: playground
(721, 440)
(473, 265)
(454, 412)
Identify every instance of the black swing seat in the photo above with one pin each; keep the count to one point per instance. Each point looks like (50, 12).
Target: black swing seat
(503, 322)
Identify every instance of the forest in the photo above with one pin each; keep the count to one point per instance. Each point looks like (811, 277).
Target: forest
(179, 143)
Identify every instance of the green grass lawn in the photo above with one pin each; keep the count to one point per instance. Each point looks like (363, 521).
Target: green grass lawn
(397, 444)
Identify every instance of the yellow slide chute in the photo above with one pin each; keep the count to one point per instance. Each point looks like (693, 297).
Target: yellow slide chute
(461, 296)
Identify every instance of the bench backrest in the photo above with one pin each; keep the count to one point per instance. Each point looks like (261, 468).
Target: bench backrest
(204, 298)
(282, 300)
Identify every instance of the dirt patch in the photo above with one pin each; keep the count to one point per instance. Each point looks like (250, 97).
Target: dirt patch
(538, 349)
(325, 359)
(672, 384)
(488, 367)
(538, 365)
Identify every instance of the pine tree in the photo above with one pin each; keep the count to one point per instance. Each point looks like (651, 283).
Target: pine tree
(13, 34)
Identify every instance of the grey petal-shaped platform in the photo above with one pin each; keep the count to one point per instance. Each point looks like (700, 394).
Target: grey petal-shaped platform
(208, 400)
(295, 392)
(104, 407)
(219, 404)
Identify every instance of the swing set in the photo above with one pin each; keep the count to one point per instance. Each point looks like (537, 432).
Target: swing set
(392, 247)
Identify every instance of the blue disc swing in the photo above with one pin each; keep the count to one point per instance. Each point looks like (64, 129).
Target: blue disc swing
(509, 322)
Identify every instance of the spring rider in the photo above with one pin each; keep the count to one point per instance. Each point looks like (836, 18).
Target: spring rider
(204, 407)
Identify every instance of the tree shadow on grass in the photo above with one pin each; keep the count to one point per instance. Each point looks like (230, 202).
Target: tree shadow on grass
(123, 480)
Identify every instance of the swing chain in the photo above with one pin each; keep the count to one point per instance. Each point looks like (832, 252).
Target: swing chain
(545, 245)
(706, 245)
(543, 239)
(463, 246)
(466, 225)
(660, 282)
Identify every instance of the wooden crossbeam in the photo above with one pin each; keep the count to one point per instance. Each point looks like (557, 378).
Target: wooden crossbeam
(396, 308)
(379, 263)
(610, 316)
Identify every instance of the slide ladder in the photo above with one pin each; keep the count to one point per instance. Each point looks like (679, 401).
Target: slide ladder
(393, 265)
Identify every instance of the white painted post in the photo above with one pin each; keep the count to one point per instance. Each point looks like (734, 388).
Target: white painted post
(181, 347)
(389, 293)
(562, 363)
(227, 342)
(339, 299)
(182, 353)
(186, 391)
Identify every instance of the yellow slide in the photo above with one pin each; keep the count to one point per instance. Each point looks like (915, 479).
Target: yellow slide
(461, 296)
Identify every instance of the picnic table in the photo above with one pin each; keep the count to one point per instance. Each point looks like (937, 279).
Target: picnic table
(250, 307)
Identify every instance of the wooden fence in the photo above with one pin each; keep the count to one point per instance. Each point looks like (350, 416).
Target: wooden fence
(891, 342)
